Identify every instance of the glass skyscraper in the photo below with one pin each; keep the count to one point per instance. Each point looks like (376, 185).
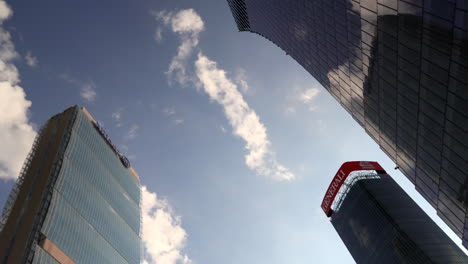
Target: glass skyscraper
(379, 223)
(399, 67)
(77, 199)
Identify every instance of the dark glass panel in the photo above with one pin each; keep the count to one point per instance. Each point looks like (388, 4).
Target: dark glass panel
(441, 8)
(436, 72)
(453, 170)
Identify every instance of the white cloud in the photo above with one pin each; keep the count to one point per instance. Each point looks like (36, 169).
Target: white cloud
(169, 111)
(162, 235)
(8, 71)
(163, 16)
(312, 108)
(245, 122)
(67, 77)
(241, 79)
(309, 94)
(158, 34)
(16, 131)
(124, 147)
(178, 121)
(131, 156)
(223, 129)
(290, 110)
(132, 132)
(87, 88)
(187, 21)
(117, 116)
(322, 126)
(31, 60)
(5, 11)
(88, 91)
(188, 25)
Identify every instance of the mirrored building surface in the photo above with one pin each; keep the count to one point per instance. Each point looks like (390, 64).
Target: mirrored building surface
(399, 67)
(77, 199)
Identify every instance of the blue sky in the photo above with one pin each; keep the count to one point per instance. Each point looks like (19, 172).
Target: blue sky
(235, 143)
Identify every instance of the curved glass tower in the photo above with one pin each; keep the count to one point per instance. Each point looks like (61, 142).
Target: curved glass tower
(399, 67)
(76, 201)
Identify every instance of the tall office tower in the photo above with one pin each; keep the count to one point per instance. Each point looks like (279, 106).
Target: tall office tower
(77, 200)
(379, 223)
(399, 67)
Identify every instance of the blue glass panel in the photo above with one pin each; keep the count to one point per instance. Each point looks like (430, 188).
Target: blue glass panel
(78, 165)
(66, 228)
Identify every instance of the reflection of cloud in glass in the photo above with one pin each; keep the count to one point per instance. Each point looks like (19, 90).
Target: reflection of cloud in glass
(360, 232)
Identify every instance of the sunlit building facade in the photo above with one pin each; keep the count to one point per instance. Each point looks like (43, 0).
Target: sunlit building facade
(399, 67)
(77, 200)
(379, 223)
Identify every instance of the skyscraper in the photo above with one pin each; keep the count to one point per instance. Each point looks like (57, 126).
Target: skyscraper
(77, 200)
(379, 223)
(399, 67)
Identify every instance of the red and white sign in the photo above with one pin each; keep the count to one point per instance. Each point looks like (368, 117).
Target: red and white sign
(340, 178)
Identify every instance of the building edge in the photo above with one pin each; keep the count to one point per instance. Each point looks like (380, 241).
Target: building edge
(239, 12)
(33, 190)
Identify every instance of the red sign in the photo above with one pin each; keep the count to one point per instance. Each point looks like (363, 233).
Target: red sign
(341, 176)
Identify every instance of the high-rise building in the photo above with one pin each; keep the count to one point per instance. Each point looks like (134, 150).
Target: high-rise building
(399, 67)
(77, 200)
(379, 223)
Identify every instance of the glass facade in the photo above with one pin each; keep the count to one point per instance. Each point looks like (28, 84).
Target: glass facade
(400, 68)
(89, 210)
(379, 223)
(94, 214)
